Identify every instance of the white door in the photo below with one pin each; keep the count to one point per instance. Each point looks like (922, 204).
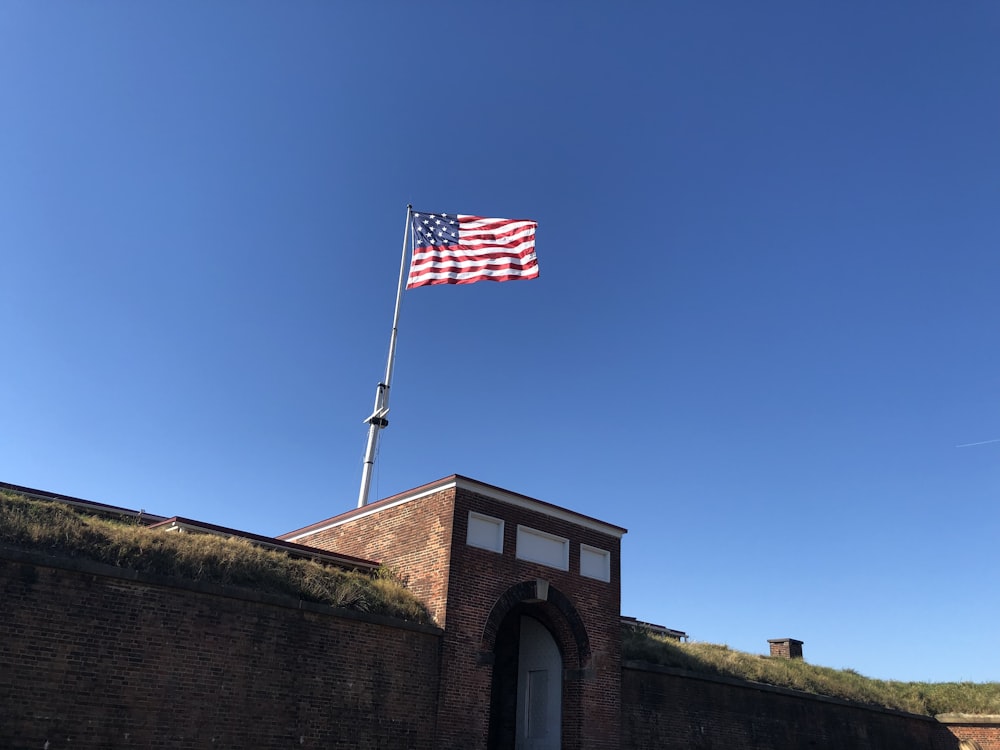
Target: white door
(539, 688)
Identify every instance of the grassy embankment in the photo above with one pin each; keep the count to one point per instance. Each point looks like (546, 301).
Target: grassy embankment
(59, 530)
(915, 697)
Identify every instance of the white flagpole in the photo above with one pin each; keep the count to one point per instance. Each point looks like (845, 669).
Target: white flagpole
(377, 420)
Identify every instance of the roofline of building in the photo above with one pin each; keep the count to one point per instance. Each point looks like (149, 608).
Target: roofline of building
(178, 523)
(632, 622)
(463, 483)
(89, 505)
(165, 523)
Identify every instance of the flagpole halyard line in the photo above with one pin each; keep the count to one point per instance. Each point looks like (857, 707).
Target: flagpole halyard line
(377, 421)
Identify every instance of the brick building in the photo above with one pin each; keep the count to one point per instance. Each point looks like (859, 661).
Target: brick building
(528, 596)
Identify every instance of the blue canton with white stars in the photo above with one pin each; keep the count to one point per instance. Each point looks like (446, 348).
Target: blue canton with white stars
(435, 229)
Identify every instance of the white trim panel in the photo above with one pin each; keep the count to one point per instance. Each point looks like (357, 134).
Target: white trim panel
(537, 546)
(485, 532)
(595, 563)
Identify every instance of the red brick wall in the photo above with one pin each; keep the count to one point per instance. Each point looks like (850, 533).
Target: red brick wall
(96, 657)
(480, 578)
(665, 709)
(413, 537)
(426, 539)
(983, 730)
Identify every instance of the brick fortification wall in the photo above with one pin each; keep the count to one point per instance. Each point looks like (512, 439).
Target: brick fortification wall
(424, 537)
(975, 732)
(92, 656)
(591, 688)
(668, 709)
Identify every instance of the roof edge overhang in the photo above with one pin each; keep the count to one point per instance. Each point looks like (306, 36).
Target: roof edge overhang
(457, 481)
(87, 505)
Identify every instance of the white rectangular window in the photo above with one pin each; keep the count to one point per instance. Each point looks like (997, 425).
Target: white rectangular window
(485, 532)
(595, 563)
(547, 549)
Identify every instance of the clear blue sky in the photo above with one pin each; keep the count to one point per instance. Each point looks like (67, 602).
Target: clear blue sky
(767, 312)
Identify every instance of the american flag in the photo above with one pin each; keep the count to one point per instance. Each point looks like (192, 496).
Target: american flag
(458, 249)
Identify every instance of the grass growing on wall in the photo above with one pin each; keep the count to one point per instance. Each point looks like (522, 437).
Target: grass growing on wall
(57, 529)
(916, 697)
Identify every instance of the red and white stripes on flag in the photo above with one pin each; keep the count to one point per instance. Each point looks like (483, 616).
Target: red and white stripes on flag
(458, 249)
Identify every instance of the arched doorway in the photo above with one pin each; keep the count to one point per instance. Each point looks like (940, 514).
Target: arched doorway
(533, 642)
(539, 688)
(526, 699)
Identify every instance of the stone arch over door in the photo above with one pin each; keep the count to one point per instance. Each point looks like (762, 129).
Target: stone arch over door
(537, 611)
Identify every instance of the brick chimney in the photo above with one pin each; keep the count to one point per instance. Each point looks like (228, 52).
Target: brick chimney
(786, 648)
